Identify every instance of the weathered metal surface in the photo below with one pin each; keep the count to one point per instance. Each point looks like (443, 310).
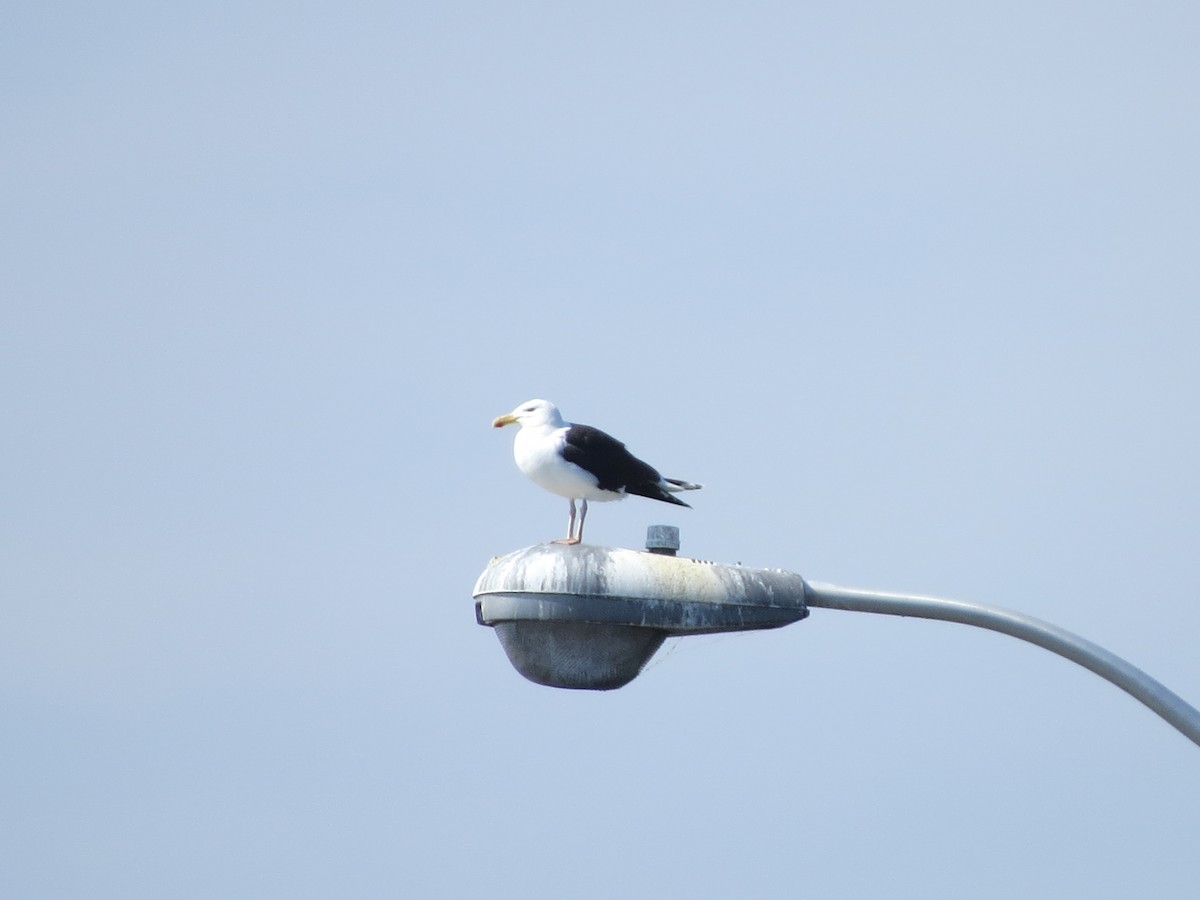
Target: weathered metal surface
(585, 583)
(591, 617)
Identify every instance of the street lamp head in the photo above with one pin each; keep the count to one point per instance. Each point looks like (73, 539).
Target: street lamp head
(591, 617)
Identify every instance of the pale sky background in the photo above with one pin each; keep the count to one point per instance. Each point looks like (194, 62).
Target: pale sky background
(914, 290)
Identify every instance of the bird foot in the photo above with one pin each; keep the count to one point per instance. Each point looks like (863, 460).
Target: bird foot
(568, 540)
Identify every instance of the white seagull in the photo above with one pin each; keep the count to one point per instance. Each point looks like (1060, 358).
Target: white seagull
(581, 463)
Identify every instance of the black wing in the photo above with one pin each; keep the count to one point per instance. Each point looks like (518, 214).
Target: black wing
(615, 467)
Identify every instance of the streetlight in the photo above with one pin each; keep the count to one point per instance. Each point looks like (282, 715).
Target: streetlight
(591, 617)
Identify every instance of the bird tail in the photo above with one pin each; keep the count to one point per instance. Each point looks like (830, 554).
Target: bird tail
(664, 489)
(674, 484)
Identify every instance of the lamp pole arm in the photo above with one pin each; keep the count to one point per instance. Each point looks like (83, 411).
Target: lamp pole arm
(1132, 680)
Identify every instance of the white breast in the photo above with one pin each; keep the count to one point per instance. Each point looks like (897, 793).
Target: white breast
(536, 451)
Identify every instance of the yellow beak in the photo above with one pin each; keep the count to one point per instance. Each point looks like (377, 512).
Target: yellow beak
(501, 421)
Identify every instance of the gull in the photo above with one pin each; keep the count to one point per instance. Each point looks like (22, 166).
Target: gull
(582, 463)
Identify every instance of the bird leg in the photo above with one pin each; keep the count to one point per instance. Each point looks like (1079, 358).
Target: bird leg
(571, 538)
(582, 516)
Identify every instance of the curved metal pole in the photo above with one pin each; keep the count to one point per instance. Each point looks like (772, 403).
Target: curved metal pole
(1129, 678)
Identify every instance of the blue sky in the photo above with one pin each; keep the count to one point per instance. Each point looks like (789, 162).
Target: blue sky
(911, 290)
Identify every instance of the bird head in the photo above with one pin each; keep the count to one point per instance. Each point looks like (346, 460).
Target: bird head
(531, 413)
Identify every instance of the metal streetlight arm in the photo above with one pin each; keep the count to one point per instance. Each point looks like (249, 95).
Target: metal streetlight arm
(1129, 678)
(589, 617)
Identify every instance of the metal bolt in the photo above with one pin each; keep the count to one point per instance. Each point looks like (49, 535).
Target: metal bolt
(662, 539)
